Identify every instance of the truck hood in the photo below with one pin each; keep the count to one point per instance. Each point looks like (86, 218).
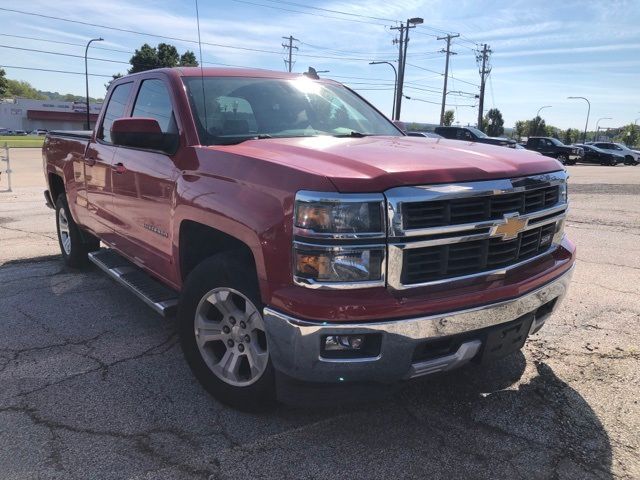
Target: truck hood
(374, 164)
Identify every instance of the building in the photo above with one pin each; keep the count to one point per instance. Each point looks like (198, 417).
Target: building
(26, 114)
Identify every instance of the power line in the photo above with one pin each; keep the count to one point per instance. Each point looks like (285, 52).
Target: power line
(61, 54)
(440, 73)
(40, 39)
(53, 71)
(308, 13)
(332, 11)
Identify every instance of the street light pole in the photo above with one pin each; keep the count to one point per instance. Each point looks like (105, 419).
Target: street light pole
(395, 85)
(598, 126)
(86, 76)
(538, 116)
(584, 137)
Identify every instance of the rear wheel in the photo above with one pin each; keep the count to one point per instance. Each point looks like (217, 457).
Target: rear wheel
(223, 334)
(74, 244)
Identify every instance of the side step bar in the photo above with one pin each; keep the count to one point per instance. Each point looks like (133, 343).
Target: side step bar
(159, 297)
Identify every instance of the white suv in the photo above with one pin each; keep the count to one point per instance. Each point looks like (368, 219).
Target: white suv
(631, 157)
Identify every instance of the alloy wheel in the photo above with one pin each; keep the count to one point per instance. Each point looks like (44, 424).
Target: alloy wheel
(231, 336)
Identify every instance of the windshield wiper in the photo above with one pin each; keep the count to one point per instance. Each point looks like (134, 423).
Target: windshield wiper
(353, 134)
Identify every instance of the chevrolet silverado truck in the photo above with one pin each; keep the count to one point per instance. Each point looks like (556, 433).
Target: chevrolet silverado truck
(552, 147)
(300, 236)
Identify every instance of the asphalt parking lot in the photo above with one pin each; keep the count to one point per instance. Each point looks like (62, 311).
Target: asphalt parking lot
(93, 383)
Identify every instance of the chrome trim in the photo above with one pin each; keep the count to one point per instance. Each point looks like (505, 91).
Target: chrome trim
(397, 196)
(295, 344)
(314, 284)
(464, 354)
(401, 239)
(395, 257)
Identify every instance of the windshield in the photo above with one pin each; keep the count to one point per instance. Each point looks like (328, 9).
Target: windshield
(478, 133)
(556, 142)
(230, 110)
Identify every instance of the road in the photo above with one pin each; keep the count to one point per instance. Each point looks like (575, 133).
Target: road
(93, 384)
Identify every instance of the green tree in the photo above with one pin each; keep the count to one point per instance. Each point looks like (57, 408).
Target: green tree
(3, 83)
(449, 116)
(520, 129)
(188, 59)
(164, 55)
(19, 88)
(536, 127)
(629, 135)
(493, 123)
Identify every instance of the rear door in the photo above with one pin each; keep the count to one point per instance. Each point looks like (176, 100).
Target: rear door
(144, 184)
(98, 163)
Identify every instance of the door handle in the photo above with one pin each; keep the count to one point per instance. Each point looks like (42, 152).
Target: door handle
(119, 168)
(91, 161)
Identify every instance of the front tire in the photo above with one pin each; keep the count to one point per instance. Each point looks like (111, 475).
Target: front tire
(223, 335)
(563, 159)
(74, 244)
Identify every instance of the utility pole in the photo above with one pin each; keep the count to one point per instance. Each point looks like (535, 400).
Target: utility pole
(484, 73)
(402, 58)
(448, 51)
(290, 46)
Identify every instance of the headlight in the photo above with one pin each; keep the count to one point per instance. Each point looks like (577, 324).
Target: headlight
(329, 230)
(336, 214)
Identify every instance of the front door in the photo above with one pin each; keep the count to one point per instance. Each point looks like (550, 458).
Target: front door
(143, 186)
(98, 163)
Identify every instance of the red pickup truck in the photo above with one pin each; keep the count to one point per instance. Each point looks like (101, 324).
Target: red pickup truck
(298, 234)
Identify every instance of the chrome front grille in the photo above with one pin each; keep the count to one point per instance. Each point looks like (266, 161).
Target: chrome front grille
(466, 258)
(442, 233)
(476, 209)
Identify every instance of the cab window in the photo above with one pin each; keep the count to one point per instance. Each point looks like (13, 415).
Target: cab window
(115, 110)
(153, 101)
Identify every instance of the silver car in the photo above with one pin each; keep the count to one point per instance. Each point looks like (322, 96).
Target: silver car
(631, 157)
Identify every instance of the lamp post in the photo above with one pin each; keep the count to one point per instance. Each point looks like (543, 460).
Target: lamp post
(86, 76)
(584, 137)
(395, 85)
(598, 125)
(538, 116)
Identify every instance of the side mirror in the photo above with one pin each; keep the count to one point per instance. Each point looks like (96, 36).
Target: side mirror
(400, 125)
(143, 133)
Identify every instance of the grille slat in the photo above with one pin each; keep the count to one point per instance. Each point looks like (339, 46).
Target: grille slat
(478, 209)
(447, 261)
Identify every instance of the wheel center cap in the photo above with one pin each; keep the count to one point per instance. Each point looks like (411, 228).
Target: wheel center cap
(236, 333)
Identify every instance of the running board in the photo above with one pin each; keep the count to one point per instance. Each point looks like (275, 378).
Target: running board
(159, 297)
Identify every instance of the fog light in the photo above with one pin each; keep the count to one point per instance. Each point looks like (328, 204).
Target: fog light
(343, 342)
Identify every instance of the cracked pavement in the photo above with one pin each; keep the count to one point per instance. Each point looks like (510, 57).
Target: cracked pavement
(93, 383)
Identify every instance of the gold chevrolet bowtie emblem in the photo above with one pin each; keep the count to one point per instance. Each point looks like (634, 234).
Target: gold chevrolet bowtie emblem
(511, 227)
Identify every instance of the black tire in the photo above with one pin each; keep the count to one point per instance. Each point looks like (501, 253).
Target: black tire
(74, 243)
(629, 160)
(227, 270)
(563, 159)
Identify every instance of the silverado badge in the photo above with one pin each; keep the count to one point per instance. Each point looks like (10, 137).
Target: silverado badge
(510, 228)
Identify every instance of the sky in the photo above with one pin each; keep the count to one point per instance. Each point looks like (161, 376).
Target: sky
(542, 51)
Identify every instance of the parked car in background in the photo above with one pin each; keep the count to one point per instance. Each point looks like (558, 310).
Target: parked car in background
(552, 147)
(20, 132)
(630, 157)
(39, 131)
(470, 134)
(593, 154)
(424, 134)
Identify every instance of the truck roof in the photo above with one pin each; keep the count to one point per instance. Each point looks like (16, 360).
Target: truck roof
(224, 72)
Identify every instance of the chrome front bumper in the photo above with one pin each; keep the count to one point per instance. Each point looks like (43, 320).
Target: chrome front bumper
(295, 345)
